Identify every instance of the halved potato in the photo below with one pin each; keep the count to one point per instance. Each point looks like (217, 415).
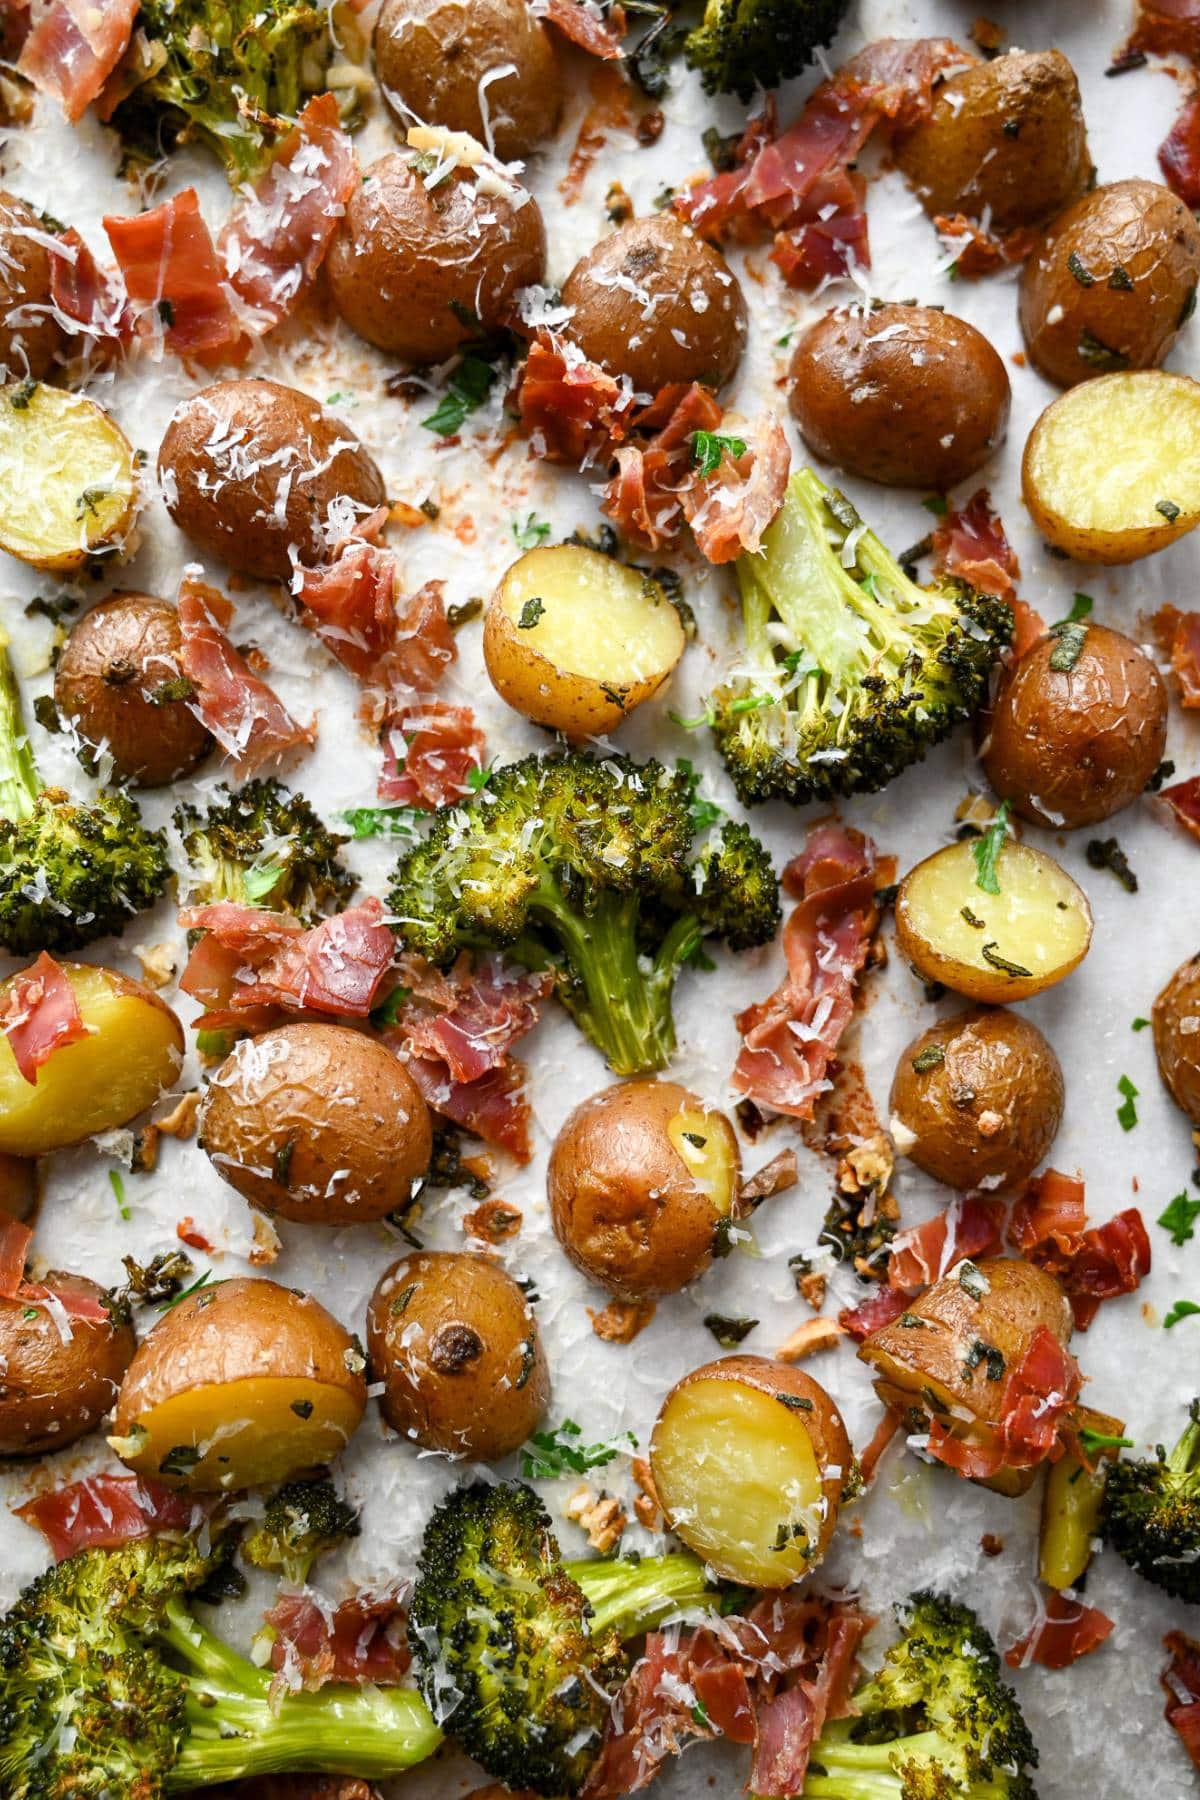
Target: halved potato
(67, 484)
(133, 1050)
(575, 640)
(1071, 1505)
(1111, 470)
(750, 1459)
(993, 947)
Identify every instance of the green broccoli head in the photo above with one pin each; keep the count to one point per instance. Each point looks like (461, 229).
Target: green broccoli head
(850, 671)
(741, 45)
(302, 1521)
(1151, 1513)
(264, 846)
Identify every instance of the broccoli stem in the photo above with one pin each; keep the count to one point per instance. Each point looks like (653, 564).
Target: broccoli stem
(1186, 1454)
(852, 1771)
(633, 1596)
(19, 782)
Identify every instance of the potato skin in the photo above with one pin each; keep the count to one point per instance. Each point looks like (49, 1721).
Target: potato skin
(1004, 137)
(988, 1112)
(116, 658)
(624, 1204)
(455, 1342)
(53, 1393)
(905, 395)
(1176, 1021)
(1111, 282)
(411, 267)
(224, 500)
(1071, 747)
(317, 1123)
(431, 54)
(681, 284)
(25, 349)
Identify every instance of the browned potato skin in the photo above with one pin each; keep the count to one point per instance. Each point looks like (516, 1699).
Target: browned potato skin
(911, 1364)
(405, 257)
(623, 1203)
(989, 1112)
(115, 659)
(53, 1393)
(666, 261)
(233, 519)
(878, 394)
(1136, 232)
(290, 1110)
(431, 54)
(1177, 1047)
(25, 349)
(456, 1345)
(1073, 746)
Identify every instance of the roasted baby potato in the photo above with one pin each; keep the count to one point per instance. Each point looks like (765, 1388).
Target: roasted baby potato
(1137, 497)
(992, 947)
(1111, 282)
(1176, 1021)
(750, 1460)
(59, 1371)
(655, 302)
(1004, 139)
(317, 1122)
(933, 1370)
(454, 1342)
(251, 470)
(575, 640)
(30, 339)
(133, 1050)
(1071, 1502)
(643, 1178)
(906, 395)
(115, 680)
(240, 1384)
(67, 486)
(487, 68)
(1078, 727)
(977, 1099)
(420, 270)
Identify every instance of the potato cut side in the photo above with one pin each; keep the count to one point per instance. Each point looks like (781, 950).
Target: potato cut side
(993, 947)
(67, 485)
(1112, 468)
(708, 1150)
(234, 1434)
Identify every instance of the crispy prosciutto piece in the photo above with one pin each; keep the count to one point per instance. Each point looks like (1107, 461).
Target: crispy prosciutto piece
(40, 1015)
(14, 29)
(1048, 1227)
(1164, 26)
(1181, 1684)
(1182, 799)
(102, 1512)
(382, 636)
(968, 1227)
(729, 509)
(430, 750)
(1051, 1210)
(334, 967)
(73, 47)
(1038, 1395)
(15, 1240)
(1178, 635)
(470, 1017)
(1064, 1630)
(980, 251)
(494, 1108)
(971, 542)
(69, 1294)
(884, 1305)
(86, 296)
(1179, 153)
(599, 36)
(248, 720)
(361, 1640)
(570, 408)
(173, 273)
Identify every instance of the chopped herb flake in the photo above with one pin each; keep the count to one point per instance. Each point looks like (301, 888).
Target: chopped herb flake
(931, 1057)
(531, 612)
(991, 954)
(1182, 1309)
(533, 532)
(986, 851)
(466, 391)
(1179, 1217)
(118, 1188)
(1168, 509)
(550, 1454)
(1127, 1112)
(1065, 654)
(728, 1332)
(708, 448)
(1106, 853)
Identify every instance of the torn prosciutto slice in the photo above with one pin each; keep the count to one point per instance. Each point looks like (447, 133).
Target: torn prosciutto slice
(361, 1640)
(248, 720)
(172, 271)
(72, 48)
(1064, 1630)
(40, 1015)
(102, 1512)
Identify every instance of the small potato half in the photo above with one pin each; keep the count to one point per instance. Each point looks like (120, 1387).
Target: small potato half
(67, 484)
(993, 947)
(240, 1384)
(576, 641)
(29, 340)
(57, 1381)
(1176, 1022)
(750, 1459)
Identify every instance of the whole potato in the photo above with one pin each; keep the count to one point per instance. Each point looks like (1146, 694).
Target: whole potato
(114, 681)
(317, 1122)
(1003, 138)
(252, 471)
(240, 1384)
(421, 270)
(1176, 1021)
(642, 1178)
(455, 1343)
(445, 61)
(977, 1099)
(906, 395)
(1078, 727)
(29, 342)
(59, 1371)
(1111, 282)
(655, 302)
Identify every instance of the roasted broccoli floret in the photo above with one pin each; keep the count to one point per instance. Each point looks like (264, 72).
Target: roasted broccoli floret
(518, 1650)
(1151, 1513)
(264, 846)
(936, 1722)
(69, 873)
(587, 867)
(302, 1521)
(849, 670)
(741, 45)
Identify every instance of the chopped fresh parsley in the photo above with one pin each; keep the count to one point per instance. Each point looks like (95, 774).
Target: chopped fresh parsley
(381, 821)
(1140, 1024)
(1093, 1442)
(466, 391)
(1127, 1112)
(185, 1293)
(478, 778)
(1182, 1309)
(1081, 608)
(1179, 1217)
(986, 851)
(708, 447)
(550, 1454)
(118, 1188)
(390, 1007)
(533, 532)
(936, 505)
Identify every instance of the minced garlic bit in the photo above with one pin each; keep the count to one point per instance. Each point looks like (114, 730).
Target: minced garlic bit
(180, 1122)
(809, 1339)
(621, 1320)
(647, 1507)
(812, 1289)
(601, 1516)
(267, 1242)
(159, 962)
(455, 146)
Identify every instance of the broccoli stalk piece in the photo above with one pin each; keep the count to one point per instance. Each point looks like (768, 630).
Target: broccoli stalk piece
(1151, 1513)
(586, 867)
(302, 1521)
(850, 670)
(741, 45)
(264, 846)
(936, 1722)
(69, 873)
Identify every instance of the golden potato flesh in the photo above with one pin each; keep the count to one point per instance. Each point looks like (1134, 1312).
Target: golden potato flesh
(575, 640)
(241, 1383)
(1111, 470)
(133, 1051)
(1176, 1022)
(1071, 1503)
(67, 485)
(750, 1459)
(992, 947)
(59, 1372)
